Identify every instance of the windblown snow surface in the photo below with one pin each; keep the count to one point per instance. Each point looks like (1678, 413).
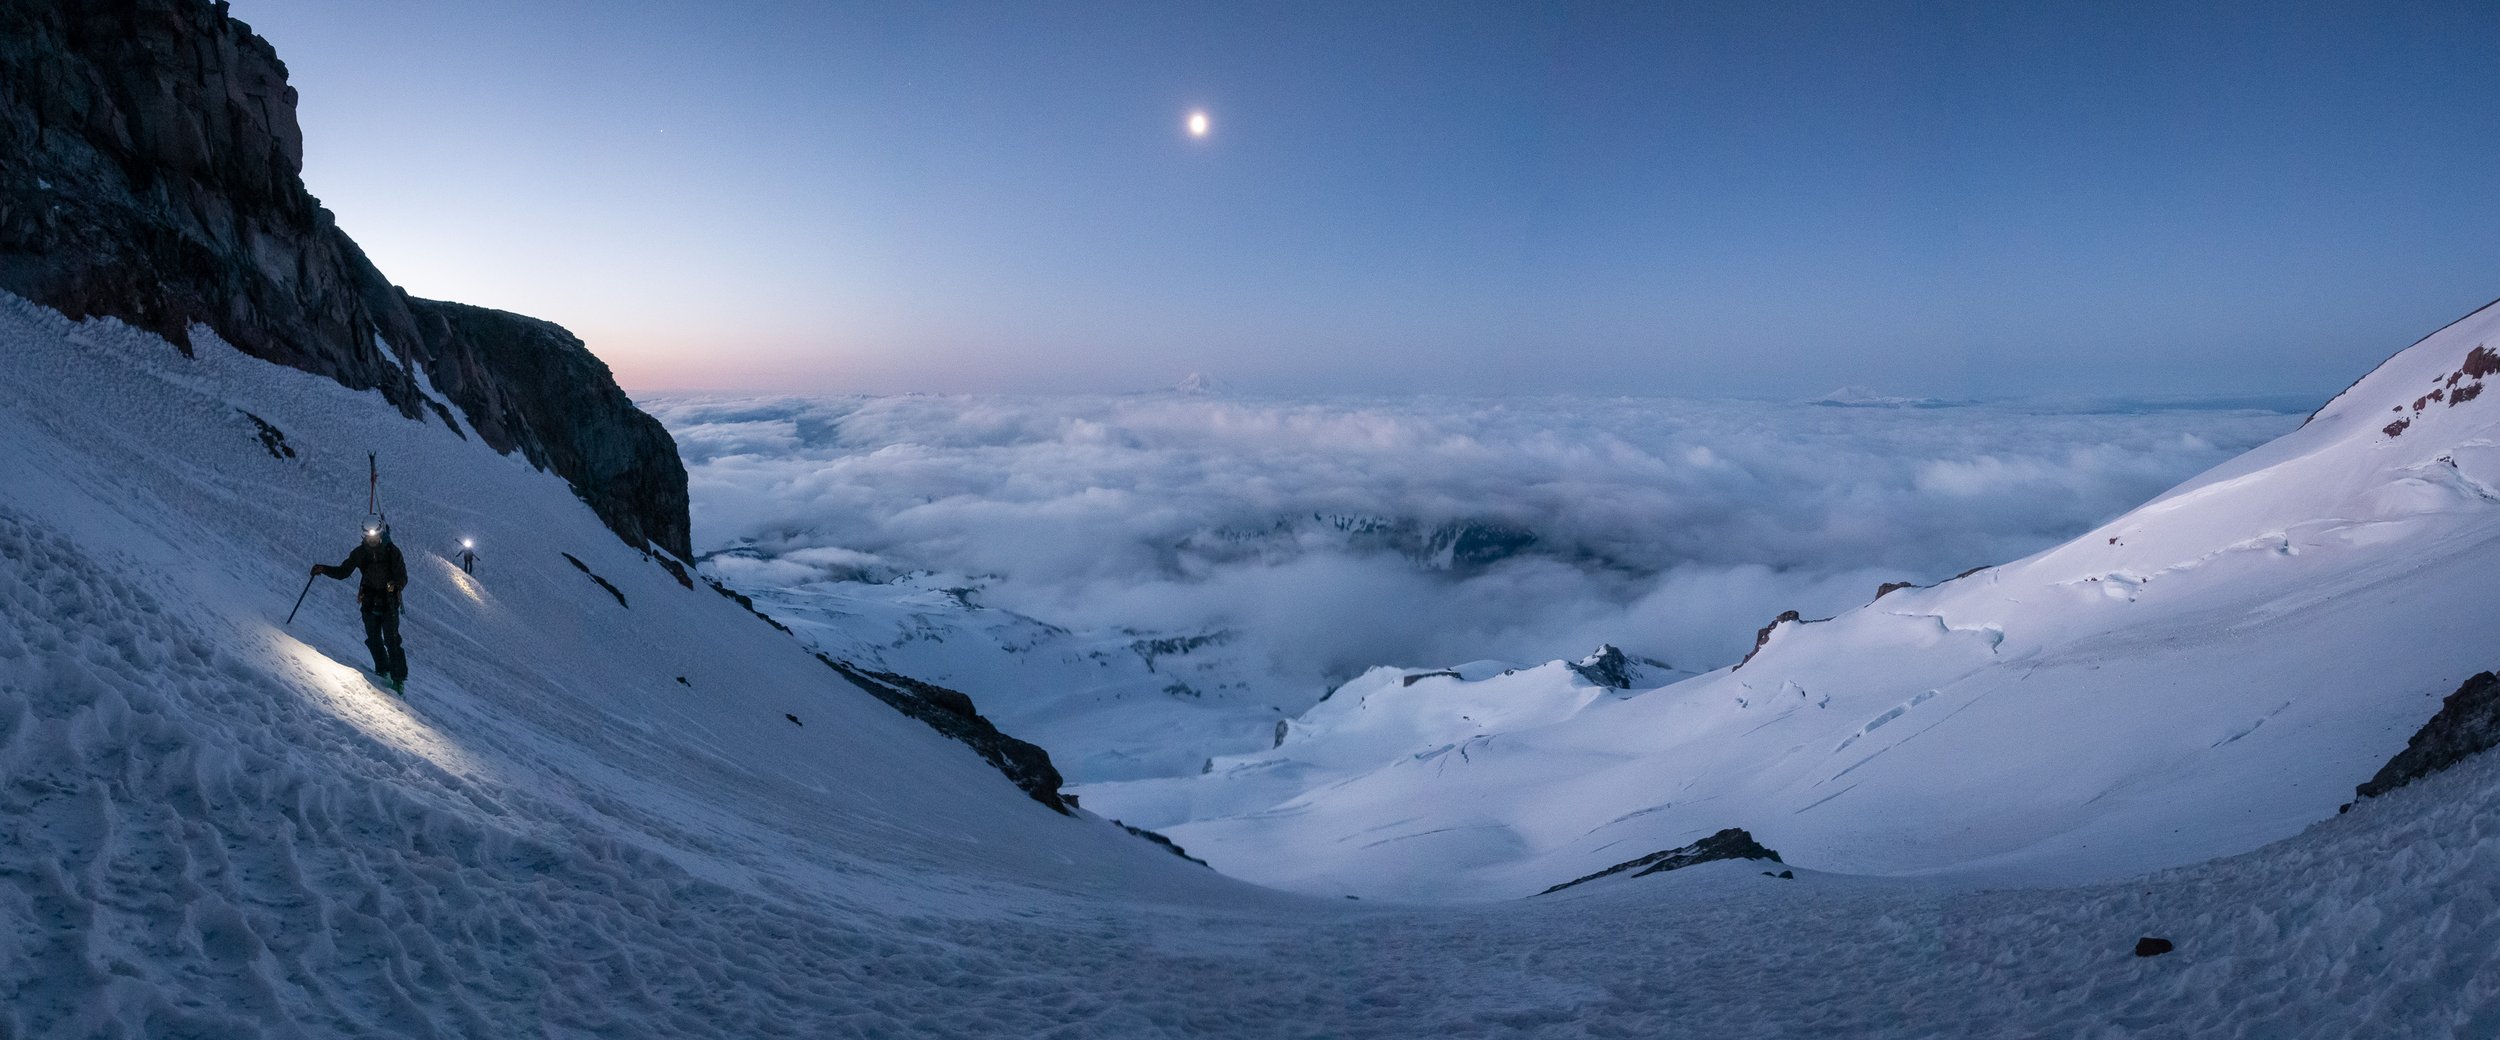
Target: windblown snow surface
(217, 827)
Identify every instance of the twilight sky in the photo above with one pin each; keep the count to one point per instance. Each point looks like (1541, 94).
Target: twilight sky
(1766, 199)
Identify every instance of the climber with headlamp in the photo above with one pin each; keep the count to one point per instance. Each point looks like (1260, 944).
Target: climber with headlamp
(384, 572)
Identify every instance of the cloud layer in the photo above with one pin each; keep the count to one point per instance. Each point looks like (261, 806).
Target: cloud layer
(1673, 528)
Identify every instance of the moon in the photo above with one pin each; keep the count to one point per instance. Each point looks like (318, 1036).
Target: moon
(1198, 125)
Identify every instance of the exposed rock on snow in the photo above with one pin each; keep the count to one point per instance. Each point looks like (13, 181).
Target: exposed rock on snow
(1610, 667)
(952, 713)
(2468, 723)
(748, 604)
(1732, 843)
(1762, 637)
(594, 576)
(272, 439)
(1165, 843)
(675, 569)
(155, 176)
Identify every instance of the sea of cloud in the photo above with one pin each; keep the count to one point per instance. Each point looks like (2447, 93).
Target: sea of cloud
(1673, 528)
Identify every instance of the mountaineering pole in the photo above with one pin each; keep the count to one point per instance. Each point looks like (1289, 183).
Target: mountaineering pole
(299, 600)
(373, 485)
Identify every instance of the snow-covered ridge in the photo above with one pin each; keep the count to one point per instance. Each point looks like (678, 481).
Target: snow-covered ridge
(653, 757)
(615, 806)
(2208, 672)
(656, 820)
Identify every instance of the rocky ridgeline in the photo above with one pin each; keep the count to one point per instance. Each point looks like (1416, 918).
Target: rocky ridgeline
(1728, 843)
(952, 713)
(151, 171)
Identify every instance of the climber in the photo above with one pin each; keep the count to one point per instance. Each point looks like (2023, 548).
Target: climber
(385, 571)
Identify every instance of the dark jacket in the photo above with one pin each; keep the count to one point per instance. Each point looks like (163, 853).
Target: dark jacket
(385, 573)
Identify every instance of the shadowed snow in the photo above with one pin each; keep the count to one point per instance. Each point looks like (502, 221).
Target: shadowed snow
(217, 827)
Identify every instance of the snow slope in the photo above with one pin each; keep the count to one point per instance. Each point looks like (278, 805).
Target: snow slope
(217, 827)
(205, 801)
(2209, 672)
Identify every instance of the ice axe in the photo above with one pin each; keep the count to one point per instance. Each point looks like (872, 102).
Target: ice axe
(299, 600)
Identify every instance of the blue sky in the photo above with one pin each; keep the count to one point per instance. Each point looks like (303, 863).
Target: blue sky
(1702, 199)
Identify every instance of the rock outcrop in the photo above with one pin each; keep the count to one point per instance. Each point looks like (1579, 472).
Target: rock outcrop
(1166, 844)
(151, 171)
(528, 385)
(2468, 723)
(1730, 843)
(1762, 638)
(951, 713)
(1610, 667)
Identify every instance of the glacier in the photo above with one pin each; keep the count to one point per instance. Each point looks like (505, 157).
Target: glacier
(219, 827)
(2208, 672)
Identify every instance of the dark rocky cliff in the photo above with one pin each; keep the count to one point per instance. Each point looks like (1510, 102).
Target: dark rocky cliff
(151, 171)
(529, 385)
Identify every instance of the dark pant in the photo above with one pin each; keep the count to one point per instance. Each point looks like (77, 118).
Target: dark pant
(382, 637)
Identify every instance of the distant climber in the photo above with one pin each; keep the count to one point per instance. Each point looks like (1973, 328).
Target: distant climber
(468, 556)
(384, 572)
